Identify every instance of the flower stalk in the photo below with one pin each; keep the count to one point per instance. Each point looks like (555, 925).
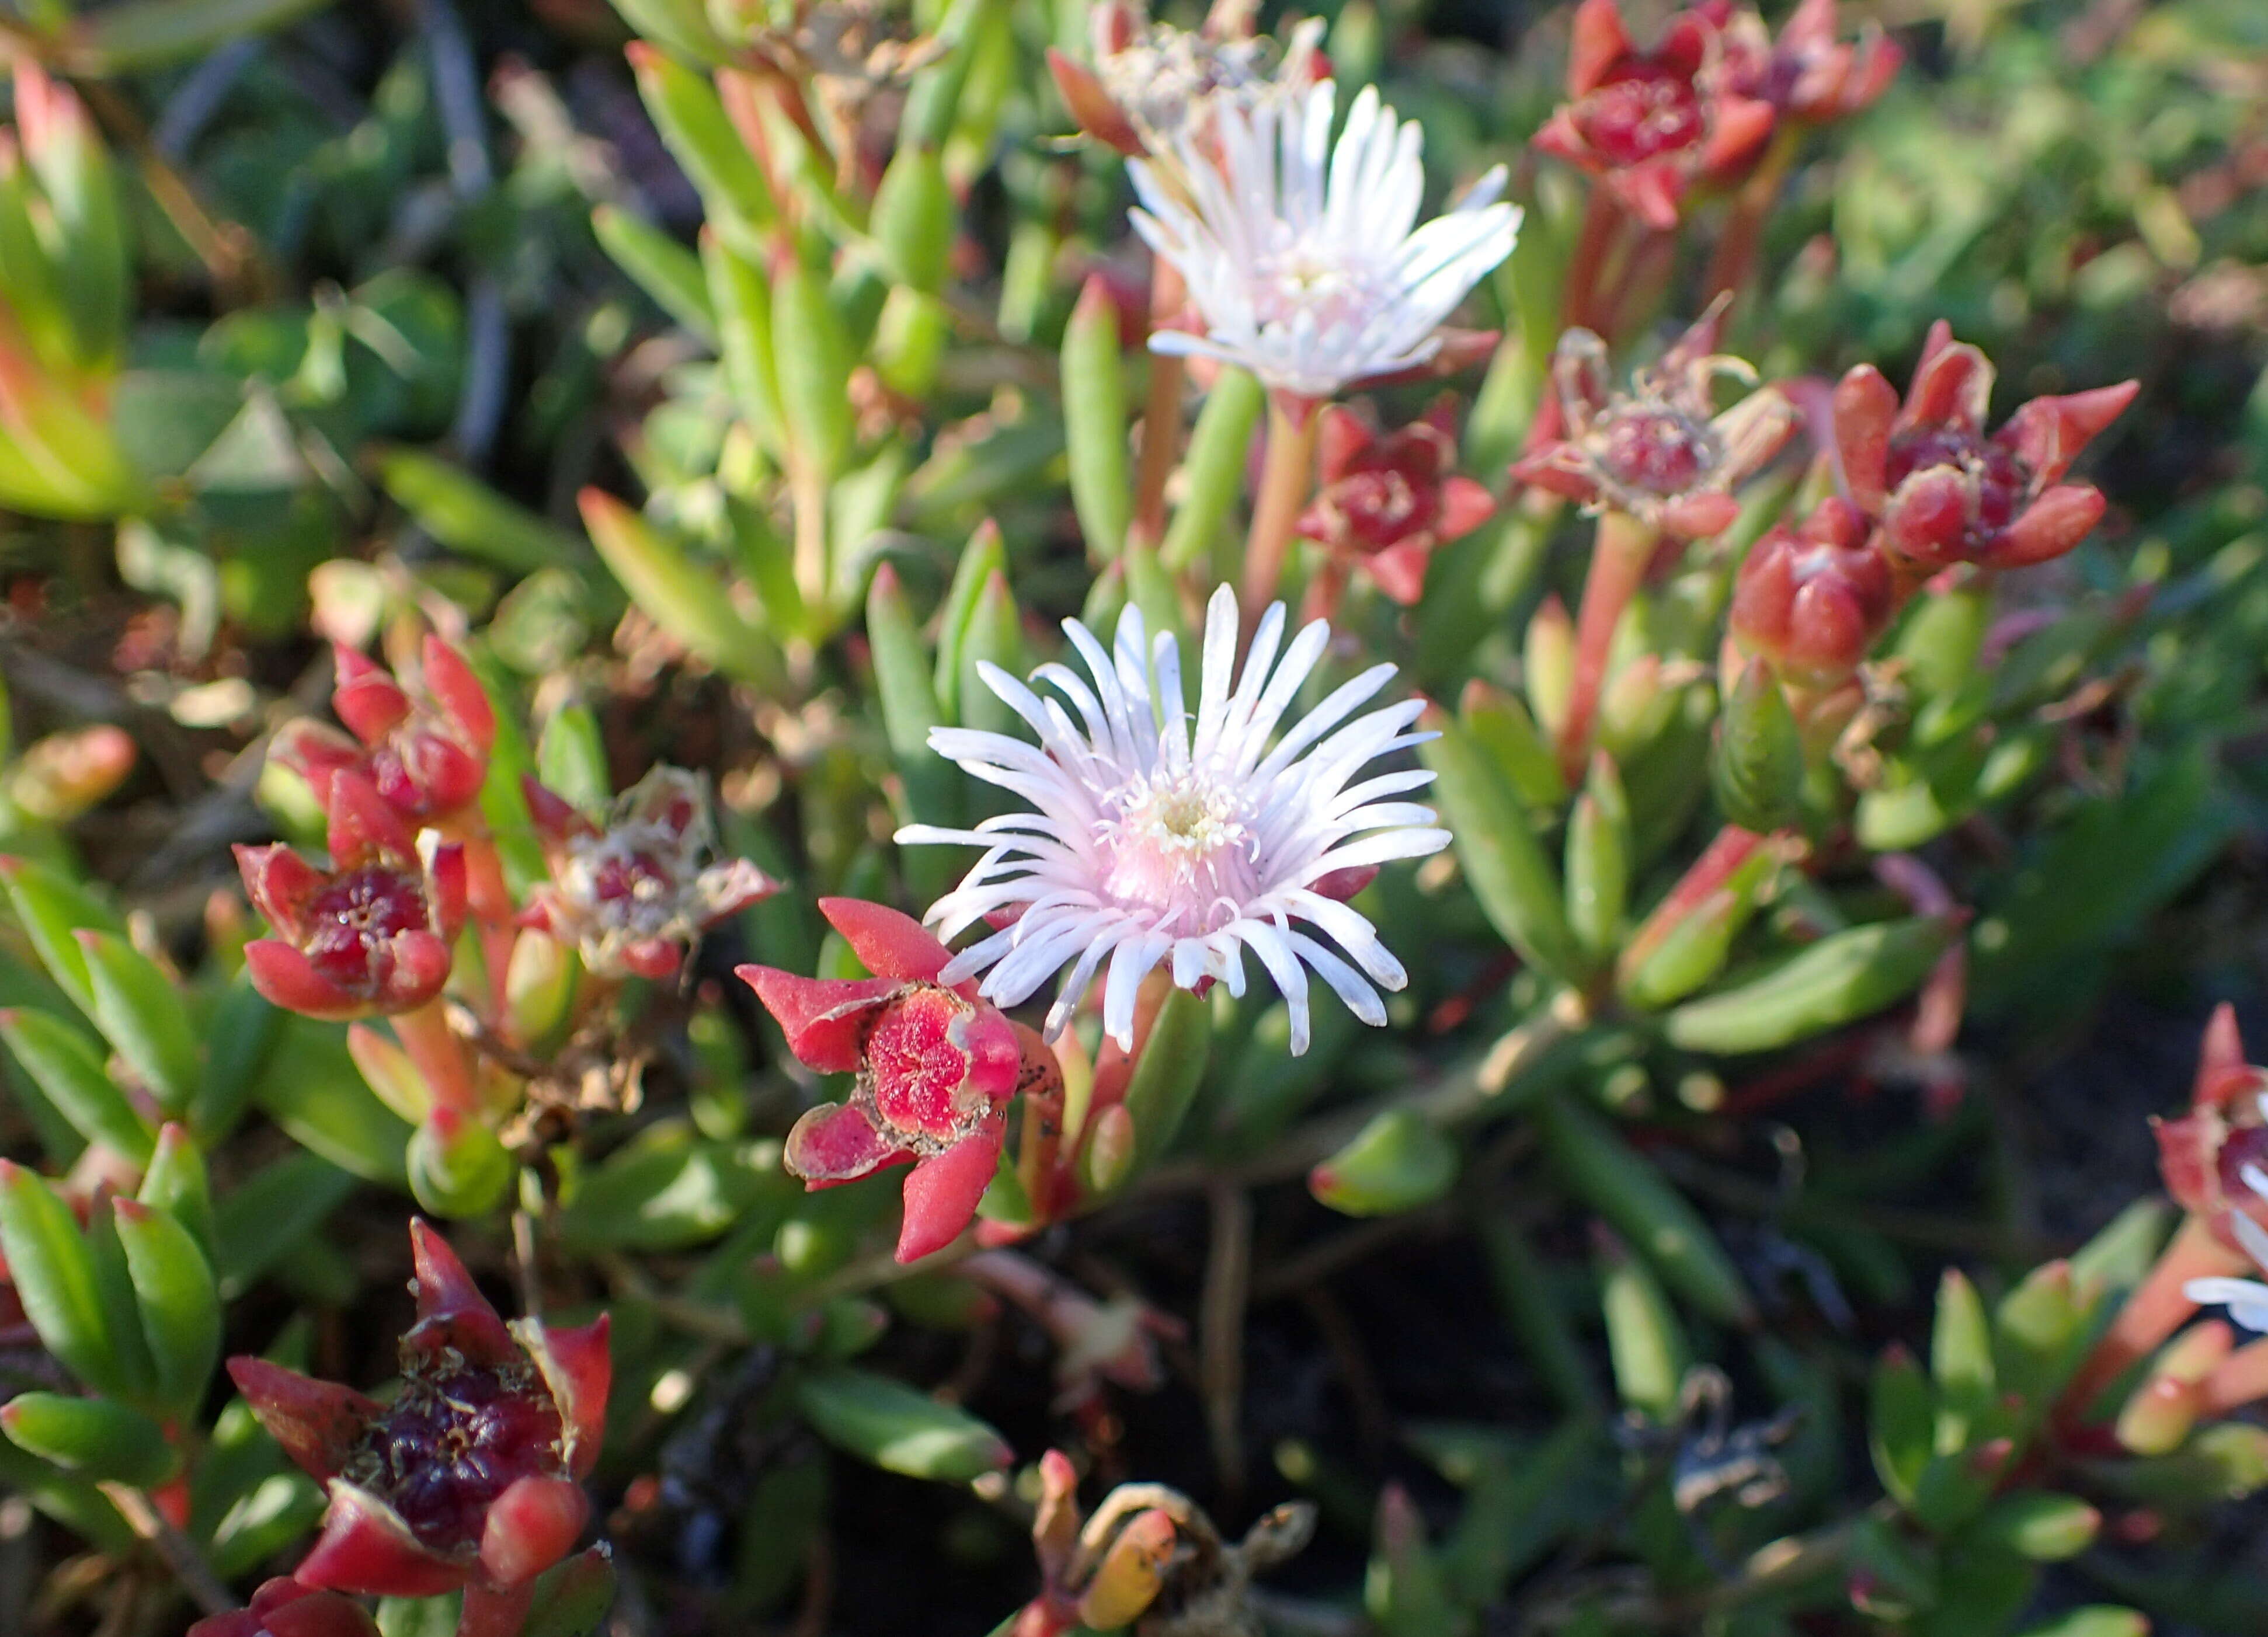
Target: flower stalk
(1161, 412)
(1286, 480)
(1619, 558)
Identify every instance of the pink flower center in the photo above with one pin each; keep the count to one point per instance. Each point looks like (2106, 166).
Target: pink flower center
(1642, 113)
(1320, 283)
(455, 1440)
(1181, 853)
(353, 921)
(1655, 451)
(629, 876)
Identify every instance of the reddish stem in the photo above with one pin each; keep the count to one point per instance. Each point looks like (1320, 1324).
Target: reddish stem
(1603, 221)
(1321, 601)
(490, 1614)
(439, 1057)
(1161, 416)
(1733, 261)
(1286, 480)
(1639, 282)
(2240, 1379)
(491, 898)
(1619, 557)
(2158, 1307)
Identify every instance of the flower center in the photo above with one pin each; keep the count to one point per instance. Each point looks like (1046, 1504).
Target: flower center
(1383, 507)
(1998, 480)
(621, 884)
(353, 921)
(1181, 850)
(917, 1061)
(1302, 279)
(455, 1440)
(1656, 451)
(1636, 118)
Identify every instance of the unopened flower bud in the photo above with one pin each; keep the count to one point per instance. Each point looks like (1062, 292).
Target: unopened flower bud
(2158, 1416)
(1110, 1149)
(426, 755)
(1807, 74)
(1813, 600)
(59, 777)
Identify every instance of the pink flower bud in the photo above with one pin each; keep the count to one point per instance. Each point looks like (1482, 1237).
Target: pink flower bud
(935, 1067)
(1813, 600)
(470, 1475)
(425, 754)
(1808, 74)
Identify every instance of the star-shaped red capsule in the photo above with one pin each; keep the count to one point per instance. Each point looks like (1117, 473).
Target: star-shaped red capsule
(471, 1475)
(935, 1069)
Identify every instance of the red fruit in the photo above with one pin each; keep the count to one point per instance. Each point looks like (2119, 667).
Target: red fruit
(935, 1065)
(1945, 492)
(469, 1474)
(1661, 452)
(1386, 503)
(1808, 73)
(1653, 123)
(1813, 600)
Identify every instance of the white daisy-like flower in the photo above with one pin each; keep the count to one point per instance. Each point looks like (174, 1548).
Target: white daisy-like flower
(2246, 1299)
(1306, 261)
(1159, 840)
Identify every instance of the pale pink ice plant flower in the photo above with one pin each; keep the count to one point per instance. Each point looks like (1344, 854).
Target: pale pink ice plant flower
(1156, 839)
(1305, 261)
